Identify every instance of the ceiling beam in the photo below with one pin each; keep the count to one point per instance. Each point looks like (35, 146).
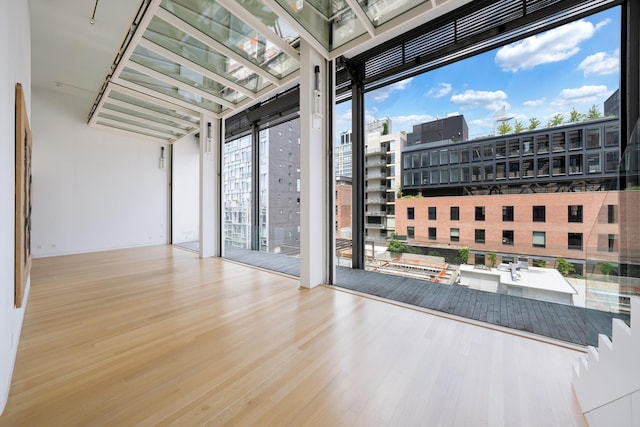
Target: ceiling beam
(301, 30)
(137, 129)
(288, 82)
(187, 109)
(153, 94)
(362, 17)
(141, 121)
(210, 41)
(147, 44)
(257, 24)
(150, 112)
(179, 84)
(130, 132)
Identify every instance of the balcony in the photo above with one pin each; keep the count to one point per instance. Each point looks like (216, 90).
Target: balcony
(376, 150)
(375, 213)
(376, 174)
(376, 188)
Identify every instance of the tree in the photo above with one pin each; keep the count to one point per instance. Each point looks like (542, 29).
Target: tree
(519, 127)
(463, 254)
(593, 113)
(492, 259)
(575, 117)
(504, 128)
(533, 123)
(396, 246)
(555, 120)
(539, 263)
(385, 128)
(606, 268)
(564, 267)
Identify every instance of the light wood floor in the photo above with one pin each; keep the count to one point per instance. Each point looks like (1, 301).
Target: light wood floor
(155, 336)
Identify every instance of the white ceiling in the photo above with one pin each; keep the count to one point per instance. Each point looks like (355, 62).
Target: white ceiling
(70, 54)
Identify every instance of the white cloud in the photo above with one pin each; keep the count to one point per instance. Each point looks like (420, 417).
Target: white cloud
(534, 102)
(492, 101)
(384, 93)
(554, 45)
(582, 95)
(601, 63)
(439, 91)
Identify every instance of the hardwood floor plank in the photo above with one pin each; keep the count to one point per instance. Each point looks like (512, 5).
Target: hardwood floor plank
(155, 336)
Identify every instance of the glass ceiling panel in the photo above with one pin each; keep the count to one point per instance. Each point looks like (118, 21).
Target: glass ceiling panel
(105, 115)
(381, 11)
(179, 72)
(323, 18)
(154, 107)
(117, 108)
(150, 83)
(269, 18)
(221, 25)
(139, 130)
(180, 43)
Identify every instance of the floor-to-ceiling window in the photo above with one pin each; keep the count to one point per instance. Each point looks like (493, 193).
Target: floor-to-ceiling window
(492, 179)
(261, 186)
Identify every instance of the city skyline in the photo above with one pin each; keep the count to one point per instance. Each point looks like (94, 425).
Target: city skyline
(582, 57)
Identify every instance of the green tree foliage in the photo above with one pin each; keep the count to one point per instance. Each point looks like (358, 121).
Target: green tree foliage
(606, 268)
(593, 113)
(533, 123)
(564, 267)
(504, 128)
(539, 263)
(519, 127)
(492, 259)
(396, 246)
(556, 120)
(575, 117)
(463, 255)
(385, 128)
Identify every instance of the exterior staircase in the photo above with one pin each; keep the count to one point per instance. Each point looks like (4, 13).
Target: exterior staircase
(606, 380)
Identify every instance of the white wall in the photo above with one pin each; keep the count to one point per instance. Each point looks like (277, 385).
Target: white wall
(15, 67)
(186, 181)
(93, 189)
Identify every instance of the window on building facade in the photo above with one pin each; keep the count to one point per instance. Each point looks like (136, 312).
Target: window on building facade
(454, 234)
(542, 144)
(479, 213)
(611, 136)
(575, 213)
(594, 163)
(593, 137)
(411, 232)
(611, 243)
(454, 214)
(479, 236)
(432, 233)
(507, 237)
(574, 241)
(479, 259)
(410, 213)
(611, 214)
(575, 139)
(539, 214)
(611, 161)
(432, 213)
(507, 213)
(539, 239)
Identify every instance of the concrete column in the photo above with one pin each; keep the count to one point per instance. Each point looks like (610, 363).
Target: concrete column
(315, 140)
(210, 215)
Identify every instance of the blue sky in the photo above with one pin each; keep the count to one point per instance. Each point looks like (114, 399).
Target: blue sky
(573, 66)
